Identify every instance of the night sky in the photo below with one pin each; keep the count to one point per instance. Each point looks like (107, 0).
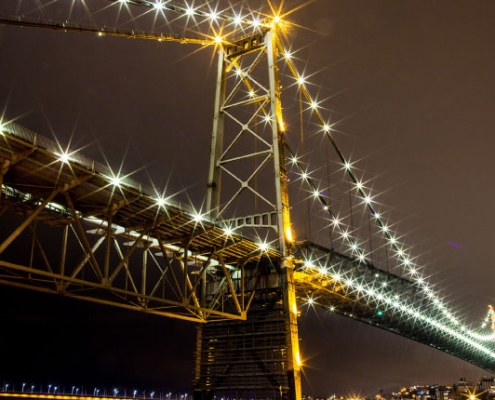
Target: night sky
(412, 86)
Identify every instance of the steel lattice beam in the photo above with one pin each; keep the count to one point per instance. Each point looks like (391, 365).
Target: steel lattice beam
(117, 243)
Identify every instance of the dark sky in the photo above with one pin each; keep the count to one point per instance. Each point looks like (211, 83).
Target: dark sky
(412, 85)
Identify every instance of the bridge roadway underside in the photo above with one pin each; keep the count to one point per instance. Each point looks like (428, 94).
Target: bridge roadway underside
(410, 314)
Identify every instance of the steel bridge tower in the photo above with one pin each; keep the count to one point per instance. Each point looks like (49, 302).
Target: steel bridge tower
(259, 357)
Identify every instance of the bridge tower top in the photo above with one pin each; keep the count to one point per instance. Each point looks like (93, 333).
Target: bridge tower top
(247, 143)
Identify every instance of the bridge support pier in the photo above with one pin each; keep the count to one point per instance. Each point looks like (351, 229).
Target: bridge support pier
(246, 359)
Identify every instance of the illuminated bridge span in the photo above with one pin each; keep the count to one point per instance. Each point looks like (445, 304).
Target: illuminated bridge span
(236, 264)
(139, 251)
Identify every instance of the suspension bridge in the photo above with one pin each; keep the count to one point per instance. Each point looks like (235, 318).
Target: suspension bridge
(237, 265)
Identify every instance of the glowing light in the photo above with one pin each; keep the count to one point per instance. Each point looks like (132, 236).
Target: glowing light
(288, 234)
(298, 359)
(115, 181)
(159, 4)
(198, 218)
(251, 93)
(327, 128)
(263, 246)
(336, 221)
(160, 202)
(256, 23)
(64, 158)
(267, 118)
(301, 81)
(238, 19)
(359, 185)
(367, 199)
(287, 55)
(377, 215)
(310, 301)
(218, 40)
(316, 194)
(347, 165)
(304, 175)
(213, 15)
(227, 231)
(314, 105)
(190, 11)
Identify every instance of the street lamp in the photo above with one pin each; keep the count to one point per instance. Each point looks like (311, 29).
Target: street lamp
(115, 392)
(55, 389)
(152, 394)
(5, 387)
(32, 388)
(134, 393)
(77, 390)
(49, 387)
(22, 390)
